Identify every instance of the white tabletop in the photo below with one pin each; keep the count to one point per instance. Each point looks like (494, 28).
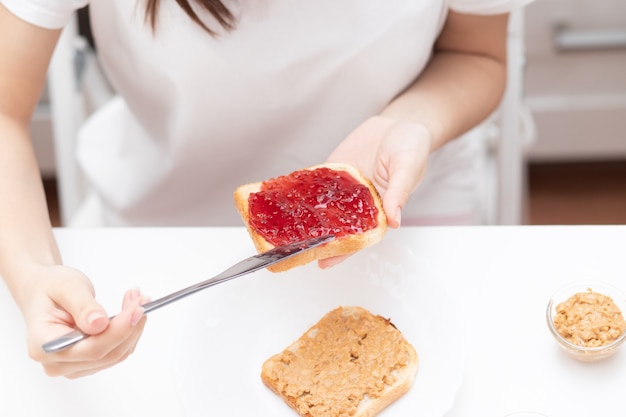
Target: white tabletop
(500, 277)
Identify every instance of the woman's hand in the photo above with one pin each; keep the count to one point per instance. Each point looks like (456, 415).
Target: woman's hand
(61, 299)
(54, 299)
(459, 87)
(393, 153)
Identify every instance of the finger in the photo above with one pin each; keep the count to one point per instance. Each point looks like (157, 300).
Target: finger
(76, 296)
(399, 187)
(332, 261)
(73, 370)
(404, 163)
(129, 296)
(98, 352)
(99, 346)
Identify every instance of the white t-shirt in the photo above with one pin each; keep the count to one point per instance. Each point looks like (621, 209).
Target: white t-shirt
(197, 116)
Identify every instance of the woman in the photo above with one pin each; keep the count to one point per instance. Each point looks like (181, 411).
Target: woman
(216, 94)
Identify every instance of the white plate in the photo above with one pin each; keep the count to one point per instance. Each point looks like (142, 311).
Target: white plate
(230, 329)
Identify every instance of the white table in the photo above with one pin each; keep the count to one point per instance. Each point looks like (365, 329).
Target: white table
(501, 278)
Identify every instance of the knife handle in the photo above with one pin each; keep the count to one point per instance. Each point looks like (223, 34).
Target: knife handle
(64, 341)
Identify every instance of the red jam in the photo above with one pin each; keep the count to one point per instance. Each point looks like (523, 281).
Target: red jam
(311, 203)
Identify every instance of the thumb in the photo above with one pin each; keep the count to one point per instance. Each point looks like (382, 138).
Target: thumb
(404, 176)
(78, 299)
(403, 165)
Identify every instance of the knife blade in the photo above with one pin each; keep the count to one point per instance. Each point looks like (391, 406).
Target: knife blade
(244, 267)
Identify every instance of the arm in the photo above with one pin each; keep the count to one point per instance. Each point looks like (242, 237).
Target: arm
(23, 215)
(53, 298)
(464, 81)
(462, 84)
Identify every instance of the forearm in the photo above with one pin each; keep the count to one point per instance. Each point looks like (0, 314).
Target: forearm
(461, 86)
(26, 239)
(445, 98)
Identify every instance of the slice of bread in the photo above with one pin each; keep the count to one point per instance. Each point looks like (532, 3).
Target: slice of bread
(342, 245)
(350, 363)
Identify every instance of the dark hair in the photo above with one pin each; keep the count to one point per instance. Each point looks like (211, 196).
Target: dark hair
(217, 9)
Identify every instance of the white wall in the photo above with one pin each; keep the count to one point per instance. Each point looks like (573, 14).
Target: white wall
(578, 97)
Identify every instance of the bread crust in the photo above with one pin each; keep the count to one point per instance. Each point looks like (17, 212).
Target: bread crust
(286, 373)
(341, 246)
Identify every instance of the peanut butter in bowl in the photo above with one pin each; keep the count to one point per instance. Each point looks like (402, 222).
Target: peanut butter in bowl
(587, 320)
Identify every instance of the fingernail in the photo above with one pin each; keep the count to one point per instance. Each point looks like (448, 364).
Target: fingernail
(95, 316)
(137, 315)
(134, 294)
(398, 216)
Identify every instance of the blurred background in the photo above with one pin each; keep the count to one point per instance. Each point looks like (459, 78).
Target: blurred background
(575, 87)
(573, 93)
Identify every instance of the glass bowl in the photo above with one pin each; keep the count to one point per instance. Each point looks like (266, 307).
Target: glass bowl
(592, 312)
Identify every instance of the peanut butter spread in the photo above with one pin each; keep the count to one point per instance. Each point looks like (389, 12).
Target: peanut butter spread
(349, 356)
(589, 319)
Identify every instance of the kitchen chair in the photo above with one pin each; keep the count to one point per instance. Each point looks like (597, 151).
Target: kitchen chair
(77, 87)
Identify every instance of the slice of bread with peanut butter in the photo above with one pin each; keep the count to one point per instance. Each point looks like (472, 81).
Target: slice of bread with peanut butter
(350, 363)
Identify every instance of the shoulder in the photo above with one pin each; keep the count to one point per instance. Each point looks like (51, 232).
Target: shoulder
(49, 14)
(486, 6)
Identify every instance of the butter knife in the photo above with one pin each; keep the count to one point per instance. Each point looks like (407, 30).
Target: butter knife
(247, 266)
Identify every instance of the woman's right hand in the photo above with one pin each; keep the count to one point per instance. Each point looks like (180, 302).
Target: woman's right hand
(62, 299)
(54, 299)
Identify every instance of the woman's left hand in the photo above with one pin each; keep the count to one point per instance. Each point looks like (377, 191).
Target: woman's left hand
(393, 154)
